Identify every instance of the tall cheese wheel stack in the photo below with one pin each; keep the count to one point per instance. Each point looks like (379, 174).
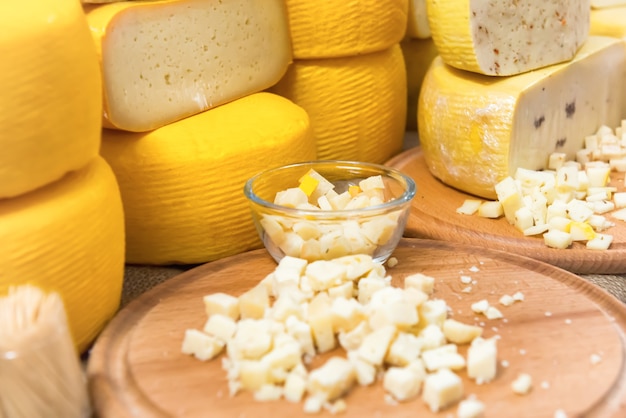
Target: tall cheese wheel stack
(187, 121)
(478, 122)
(348, 74)
(61, 218)
(182, 184)
(419, 51)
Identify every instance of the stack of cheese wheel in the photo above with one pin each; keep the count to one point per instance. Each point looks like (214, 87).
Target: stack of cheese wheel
(419, 51)
(187, 120)
(61, 218)
(348, 74)
(503, 94)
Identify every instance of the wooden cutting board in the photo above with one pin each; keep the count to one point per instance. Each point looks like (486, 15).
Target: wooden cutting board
(136, 367)
(433, 215)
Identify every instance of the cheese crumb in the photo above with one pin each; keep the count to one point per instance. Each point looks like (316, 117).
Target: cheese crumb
(522, 384)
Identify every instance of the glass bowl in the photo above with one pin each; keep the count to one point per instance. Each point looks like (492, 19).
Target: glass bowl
(323, 228)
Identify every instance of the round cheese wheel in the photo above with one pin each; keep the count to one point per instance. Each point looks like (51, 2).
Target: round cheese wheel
(338, 28)
(182, 184)
(357, 104)
(68, 237)
(51, 101)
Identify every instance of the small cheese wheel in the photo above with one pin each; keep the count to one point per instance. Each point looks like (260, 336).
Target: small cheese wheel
(418, 55)
(609, 22)
(357, 105)
(338, 28)
(166, 60)
(51, 101)
(68, 237)
(476, 130)
(182, 184)
(506, 38)
(417, 25)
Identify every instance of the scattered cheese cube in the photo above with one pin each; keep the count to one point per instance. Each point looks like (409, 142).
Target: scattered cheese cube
(442, 389)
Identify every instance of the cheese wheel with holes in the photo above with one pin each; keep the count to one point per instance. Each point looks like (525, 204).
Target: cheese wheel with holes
(338, 28)
(68, 237)
(51, 100)
(506, 38)
(609, 22)
(182, 184)
(357, 105)
(475, 130)
(166, 60)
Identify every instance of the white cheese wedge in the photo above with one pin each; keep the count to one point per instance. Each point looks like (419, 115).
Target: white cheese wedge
(476, 130)
(506, 38)
(163, 61)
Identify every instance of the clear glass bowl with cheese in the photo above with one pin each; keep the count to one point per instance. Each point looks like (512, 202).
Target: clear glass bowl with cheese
(320, 210)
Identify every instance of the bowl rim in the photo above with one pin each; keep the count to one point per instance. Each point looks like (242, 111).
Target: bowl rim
(407, 195)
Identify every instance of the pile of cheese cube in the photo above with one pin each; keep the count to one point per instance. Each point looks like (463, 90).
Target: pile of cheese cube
(569, 201)
(331, 237)
(402, 336)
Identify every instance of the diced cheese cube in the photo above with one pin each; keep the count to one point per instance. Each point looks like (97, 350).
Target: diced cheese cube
(301, 331)
(268, 393)
(404, 349)
(365, 371)
(469, 206)
(432, 336)
(346, 314)
(320, 320)
(491, 209)
(470, 408)
(221, 303)
(294, 387)
(253, 374)
(333, 379)
(444, 357)
(421, 282)
(324, 274)
(374, 347)
(251, 340)
(482, 357)
(442, 389)
(433, 311)
(402, 383)
(254, 302)
(220, 326)
(367, 287)
(600, 242)
(353, 339)
(202, 346)
(459, 332)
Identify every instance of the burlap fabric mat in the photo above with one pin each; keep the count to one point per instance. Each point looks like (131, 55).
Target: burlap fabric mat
(138, 279)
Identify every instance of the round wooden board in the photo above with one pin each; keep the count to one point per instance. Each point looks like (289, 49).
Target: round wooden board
(433, 215)
(136, 367)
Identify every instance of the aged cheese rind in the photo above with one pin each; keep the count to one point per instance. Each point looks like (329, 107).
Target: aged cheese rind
(357, 105)
(506, 38)
(182, 184)
(338, 28)
(475, 130)
(163, 61)
(68, 237)
(51, 101)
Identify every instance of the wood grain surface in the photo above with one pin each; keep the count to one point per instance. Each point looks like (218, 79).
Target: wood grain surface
(433, 215)
(136, 368)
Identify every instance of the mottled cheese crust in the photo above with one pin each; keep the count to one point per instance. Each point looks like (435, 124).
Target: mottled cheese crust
(499, 37)
(475, 130)
(163, 61)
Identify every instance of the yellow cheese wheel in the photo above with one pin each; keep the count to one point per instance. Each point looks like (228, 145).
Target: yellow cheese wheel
(357, 105)
(68, 237)
(475, 130)
(169, 59)
(339, 28)
(609, 22)
(182, 184)
(502, 38)
(51, 97)
(418, 55)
